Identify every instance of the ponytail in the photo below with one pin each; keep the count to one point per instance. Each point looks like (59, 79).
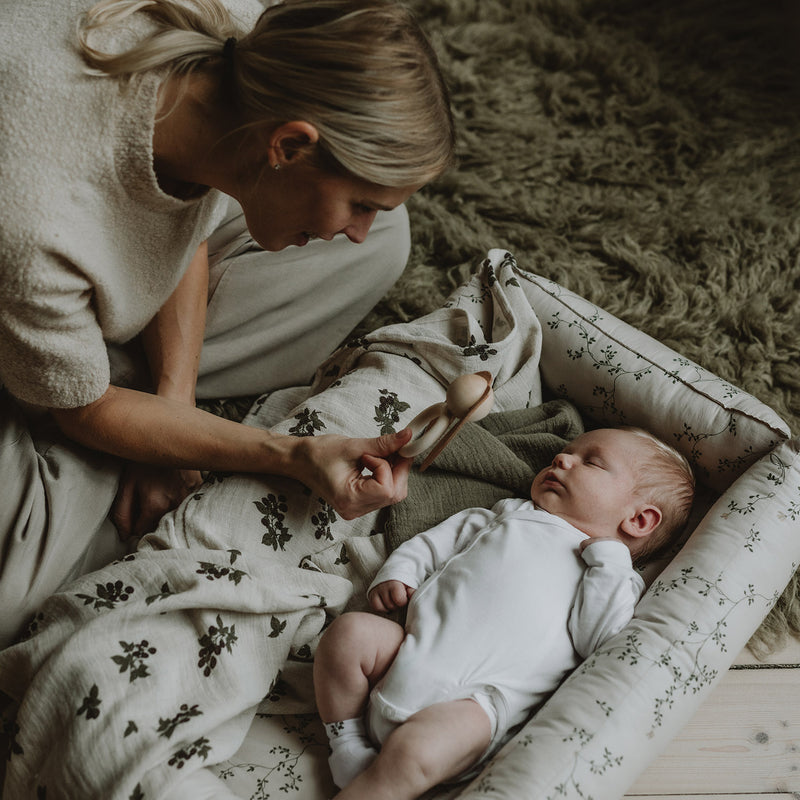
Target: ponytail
(360, 71)
(186, 35)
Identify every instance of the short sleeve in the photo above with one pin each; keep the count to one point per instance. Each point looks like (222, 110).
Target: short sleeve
(52, 352)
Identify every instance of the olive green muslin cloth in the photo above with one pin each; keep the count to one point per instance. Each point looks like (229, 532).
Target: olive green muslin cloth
(487, 461)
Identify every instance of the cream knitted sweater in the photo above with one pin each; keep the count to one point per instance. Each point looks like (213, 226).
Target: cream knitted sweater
(90, 247)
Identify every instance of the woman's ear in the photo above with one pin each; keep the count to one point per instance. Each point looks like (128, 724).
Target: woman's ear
(290, 141)
(642, 522)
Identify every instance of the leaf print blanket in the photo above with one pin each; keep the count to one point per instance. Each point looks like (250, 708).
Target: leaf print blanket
(137, 678)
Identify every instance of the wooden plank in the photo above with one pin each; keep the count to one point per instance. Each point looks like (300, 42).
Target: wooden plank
(771, 796)
(788, 654)
(745, 739)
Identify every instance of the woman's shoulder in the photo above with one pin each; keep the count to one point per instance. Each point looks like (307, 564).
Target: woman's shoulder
(47, 101)
(40, 34)
(246, 12)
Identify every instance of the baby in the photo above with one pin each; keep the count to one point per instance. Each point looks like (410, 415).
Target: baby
(502, 605)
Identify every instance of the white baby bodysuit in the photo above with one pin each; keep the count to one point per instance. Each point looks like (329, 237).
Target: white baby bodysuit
(506, 607)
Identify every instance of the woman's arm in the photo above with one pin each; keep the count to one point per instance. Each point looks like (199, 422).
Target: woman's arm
(164, 432)
(174, 338)
(172, 342)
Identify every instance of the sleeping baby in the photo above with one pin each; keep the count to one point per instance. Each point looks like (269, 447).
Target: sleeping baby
(502, 605)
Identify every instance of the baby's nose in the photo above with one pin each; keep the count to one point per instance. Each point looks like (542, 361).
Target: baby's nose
(561, 460)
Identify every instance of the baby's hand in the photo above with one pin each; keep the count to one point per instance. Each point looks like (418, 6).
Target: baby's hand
(389, 596)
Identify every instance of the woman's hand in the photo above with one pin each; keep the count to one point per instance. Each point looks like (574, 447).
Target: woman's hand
(334, 467)
(389, 596)
(146, 493)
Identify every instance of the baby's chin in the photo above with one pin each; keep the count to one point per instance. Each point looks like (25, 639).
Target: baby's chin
(541, 498)
(547, 500)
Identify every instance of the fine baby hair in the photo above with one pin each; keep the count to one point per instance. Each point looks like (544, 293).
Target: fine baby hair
(361, 71)
(664, 478)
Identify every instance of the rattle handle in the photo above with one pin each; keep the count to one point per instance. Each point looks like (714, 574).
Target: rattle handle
(426, 428)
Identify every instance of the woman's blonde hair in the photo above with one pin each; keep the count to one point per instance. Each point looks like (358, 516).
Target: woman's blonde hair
(361, 72)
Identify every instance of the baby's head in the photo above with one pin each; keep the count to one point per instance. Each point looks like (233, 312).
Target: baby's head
(622, 483)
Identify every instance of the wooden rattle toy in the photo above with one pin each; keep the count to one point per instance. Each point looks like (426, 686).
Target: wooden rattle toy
(469, 397)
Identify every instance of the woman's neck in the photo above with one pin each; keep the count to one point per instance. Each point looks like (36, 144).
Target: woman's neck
(190, 137)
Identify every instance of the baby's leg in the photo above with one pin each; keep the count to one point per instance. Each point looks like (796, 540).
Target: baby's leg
(352, 656)
(435, 745)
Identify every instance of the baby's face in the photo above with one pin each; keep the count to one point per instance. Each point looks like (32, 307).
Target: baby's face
(591, 483)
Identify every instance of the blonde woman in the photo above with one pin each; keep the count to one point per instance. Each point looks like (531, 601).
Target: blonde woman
(156, 158)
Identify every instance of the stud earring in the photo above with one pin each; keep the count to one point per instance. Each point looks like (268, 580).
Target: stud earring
(276, 167)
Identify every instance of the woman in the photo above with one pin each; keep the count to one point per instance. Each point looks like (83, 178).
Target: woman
(118, 147)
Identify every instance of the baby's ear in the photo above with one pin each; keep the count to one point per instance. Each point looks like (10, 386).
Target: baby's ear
(642, 522)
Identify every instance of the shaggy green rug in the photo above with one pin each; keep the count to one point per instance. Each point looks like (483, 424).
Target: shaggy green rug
(644, 154)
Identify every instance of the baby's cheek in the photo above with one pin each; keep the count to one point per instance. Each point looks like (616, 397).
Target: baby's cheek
(542, 498)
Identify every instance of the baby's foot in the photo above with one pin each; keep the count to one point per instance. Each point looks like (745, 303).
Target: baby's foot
(351, 751)
(350, 759)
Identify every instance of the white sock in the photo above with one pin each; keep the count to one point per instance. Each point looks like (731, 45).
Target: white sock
(351, 750)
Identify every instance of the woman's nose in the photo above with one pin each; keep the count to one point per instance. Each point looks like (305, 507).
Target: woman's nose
(357, 231)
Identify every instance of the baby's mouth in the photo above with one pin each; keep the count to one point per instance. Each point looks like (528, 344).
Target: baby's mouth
(550, 478)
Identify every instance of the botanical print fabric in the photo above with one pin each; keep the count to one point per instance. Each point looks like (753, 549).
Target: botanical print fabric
(140, 674)
(138, 678)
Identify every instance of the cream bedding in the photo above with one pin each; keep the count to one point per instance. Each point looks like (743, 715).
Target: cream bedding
(142, 680)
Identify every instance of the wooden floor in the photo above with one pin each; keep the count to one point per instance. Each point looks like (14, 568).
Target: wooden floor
(743, 743)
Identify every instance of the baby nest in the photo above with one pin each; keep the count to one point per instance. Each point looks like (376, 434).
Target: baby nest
(619, 710)
(231, 592)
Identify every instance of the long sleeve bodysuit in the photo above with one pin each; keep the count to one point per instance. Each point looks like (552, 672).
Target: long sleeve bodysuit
(505, 607)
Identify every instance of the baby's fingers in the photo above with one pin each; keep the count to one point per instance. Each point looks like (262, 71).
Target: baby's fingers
(389, 596)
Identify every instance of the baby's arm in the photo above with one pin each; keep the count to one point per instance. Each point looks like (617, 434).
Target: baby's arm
(422, 555)
(606, 597)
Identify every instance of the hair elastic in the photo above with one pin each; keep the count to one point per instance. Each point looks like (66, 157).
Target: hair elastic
(227, 48)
